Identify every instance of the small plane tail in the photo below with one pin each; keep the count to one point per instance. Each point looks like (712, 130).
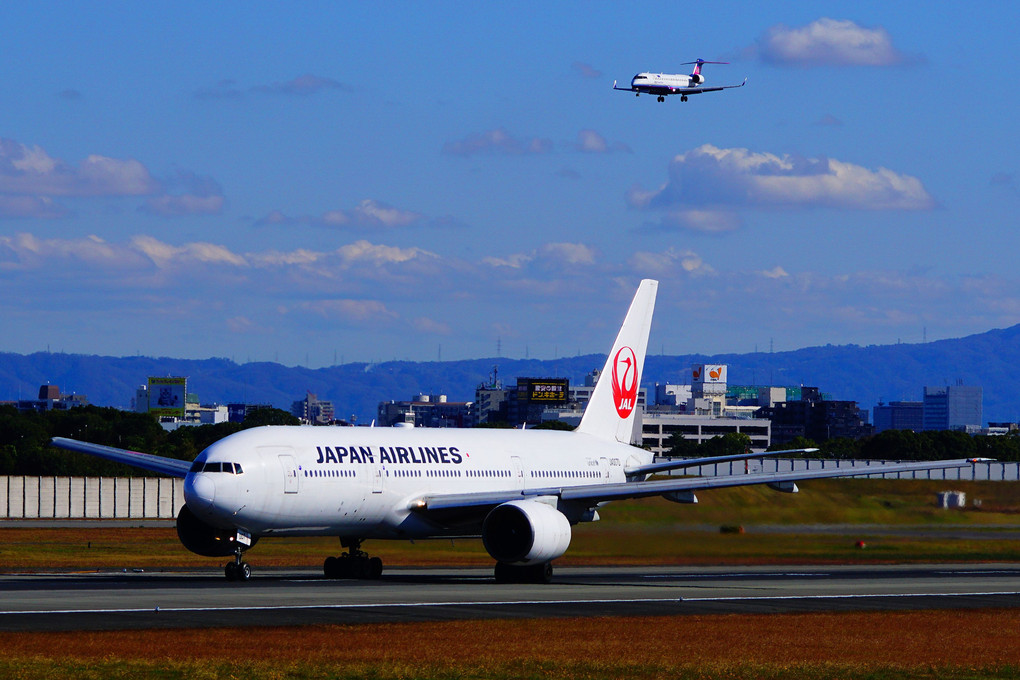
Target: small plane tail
(696, 76)
(610, 411)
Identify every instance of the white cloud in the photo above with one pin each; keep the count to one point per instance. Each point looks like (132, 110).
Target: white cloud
(164, 255)
(185, 204)
(30, 171)
(497, 142)
(301, 86)
(705, 221)
(721, 179)
(669, 263)
(350, 310)
(589, 141)
(431, 326)
(39, 207)
(829, 42)
(549, 254)
(776, 272)
(369, 214)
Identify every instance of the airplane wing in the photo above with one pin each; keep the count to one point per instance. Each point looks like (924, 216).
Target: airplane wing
(625, 89)
(700, 90)
(695, 462)
(165, 466)
(470, 503)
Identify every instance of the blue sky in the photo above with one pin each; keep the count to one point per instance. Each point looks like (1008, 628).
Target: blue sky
(305, 182)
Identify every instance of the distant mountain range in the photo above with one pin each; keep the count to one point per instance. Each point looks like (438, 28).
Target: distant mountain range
(867, 375)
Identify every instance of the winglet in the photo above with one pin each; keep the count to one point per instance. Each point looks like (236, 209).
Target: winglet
(610, 411)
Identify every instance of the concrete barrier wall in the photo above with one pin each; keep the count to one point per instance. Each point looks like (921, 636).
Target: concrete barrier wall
(90, 497)
(995, 471)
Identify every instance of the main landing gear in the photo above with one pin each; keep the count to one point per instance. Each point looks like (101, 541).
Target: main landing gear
(661, 98)
(355, 563)
(237, 570)
(523, 573)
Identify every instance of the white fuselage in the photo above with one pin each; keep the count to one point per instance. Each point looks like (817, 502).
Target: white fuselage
(361, 482)
(661, 83)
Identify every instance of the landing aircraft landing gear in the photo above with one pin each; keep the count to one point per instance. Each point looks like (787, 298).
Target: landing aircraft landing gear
(683, 97)
(355, 563)
(662, 99)
(237, 570)
(523, 573)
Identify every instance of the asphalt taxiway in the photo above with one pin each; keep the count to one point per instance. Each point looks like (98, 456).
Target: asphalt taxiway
(119, 600)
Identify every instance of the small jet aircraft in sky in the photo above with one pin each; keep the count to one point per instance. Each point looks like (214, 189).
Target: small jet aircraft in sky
(520, 491)
(665, 84)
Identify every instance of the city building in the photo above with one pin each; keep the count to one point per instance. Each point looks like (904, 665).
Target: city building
(51, 399)
(657, 428)
(426, 410)
(899, 415)
(312, 410)
(953, 407)
(817, 418)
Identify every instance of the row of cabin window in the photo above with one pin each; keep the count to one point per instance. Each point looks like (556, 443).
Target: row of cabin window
(330, 473)
(229, 468)
(565, 473)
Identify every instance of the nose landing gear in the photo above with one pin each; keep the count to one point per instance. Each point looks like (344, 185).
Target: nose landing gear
(237, 570)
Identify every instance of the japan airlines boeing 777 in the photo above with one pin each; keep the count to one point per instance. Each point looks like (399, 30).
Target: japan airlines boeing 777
(664, 84)
(519, 490)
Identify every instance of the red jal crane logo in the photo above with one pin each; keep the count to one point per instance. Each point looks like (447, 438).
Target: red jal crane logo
(625, 381)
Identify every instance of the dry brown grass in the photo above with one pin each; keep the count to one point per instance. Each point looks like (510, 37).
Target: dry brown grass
(923, 639)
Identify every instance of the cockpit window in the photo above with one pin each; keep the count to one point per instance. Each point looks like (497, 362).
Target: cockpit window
(229, 468)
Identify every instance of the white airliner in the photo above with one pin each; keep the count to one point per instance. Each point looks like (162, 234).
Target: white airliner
(665, 84)
(519, 490)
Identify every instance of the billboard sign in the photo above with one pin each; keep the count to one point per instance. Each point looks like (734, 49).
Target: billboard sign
(167, 396)
(704, 374)
(551, 391)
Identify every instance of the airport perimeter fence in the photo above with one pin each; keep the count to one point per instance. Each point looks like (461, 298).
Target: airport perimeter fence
(985, 471)
(163, 497)
(90, 497)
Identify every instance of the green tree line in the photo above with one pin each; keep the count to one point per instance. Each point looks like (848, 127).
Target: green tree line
(887, 445)
(25, 439)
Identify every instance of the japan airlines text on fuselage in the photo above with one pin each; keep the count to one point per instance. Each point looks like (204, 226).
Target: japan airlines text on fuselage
(365, 482)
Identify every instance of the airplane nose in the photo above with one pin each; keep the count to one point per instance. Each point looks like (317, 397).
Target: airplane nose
(200, 492)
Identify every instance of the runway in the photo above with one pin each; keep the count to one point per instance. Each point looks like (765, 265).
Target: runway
(118, 600)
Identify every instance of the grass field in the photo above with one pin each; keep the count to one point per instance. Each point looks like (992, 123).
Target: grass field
(925, 644)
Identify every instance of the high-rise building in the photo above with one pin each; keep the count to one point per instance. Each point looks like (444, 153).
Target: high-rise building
(899, 415)
(953, 407)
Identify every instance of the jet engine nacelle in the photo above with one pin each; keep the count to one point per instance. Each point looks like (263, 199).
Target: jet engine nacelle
(525, 532)
(204, 539)
(697, 79)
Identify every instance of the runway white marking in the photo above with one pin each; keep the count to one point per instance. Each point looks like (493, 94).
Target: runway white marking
(490, 603)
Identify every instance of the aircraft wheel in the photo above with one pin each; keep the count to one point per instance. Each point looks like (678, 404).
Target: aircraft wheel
(243, 571)
(330, 568)
(230, 571)
(374, 568)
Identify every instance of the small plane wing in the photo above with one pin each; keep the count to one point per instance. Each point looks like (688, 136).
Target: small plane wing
(695, 462)
(682, 90)
(598, 493)
(146, 461)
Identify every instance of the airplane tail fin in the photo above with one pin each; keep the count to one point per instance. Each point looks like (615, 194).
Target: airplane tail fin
(610, 411)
